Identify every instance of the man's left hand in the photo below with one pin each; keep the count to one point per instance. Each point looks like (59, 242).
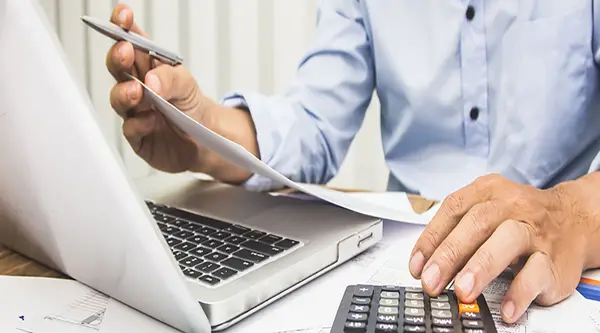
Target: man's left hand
(494, 223)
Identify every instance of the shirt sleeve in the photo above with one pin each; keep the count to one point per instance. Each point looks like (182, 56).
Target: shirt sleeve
(305, 133)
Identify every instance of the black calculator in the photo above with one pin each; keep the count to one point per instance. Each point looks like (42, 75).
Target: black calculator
(397, 309)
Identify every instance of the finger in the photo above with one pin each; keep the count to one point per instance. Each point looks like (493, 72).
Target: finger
(454, 207)
(137, 128)
(125, 96)
(474, 229)
(123, 16)
(510, 240)
(120, 59)
(535, 277)
(171, 83)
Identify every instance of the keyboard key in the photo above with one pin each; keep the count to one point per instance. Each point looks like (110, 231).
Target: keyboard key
(440, 298)
(224, 273)
(414, 312)
(414, 289)
(169, 230)
(386, 310)
(191, 273)
(180, 223)
(189, 226)
(361, 300)
(173, 241)
(441, 313)
(286, 243)
(200, 251)
(195, 218)
(440, 305)
(216, 256)
(414, 296)
(254, 234)
(390, 294)
(197, 239)
(359, 308)
(473, 330)
(227, 248)
(237, 264)
(235, 240)
(260, 247)
(355, 326)
(418, 329)
(387, 318)
(390, 288)
(205, 230)
(209, 279)
(443, 330)
(220, 235)
(211, 243)
(250, 255)
(442, 322)
(270, 239)
(472, 324)
(462, 307)
(357, 316)
(414, 321)
(183, 234)
(190, 261)
(470, 315)
(162, 218)
(185, 246)
(207, 267)
(388, 302)
(236, 229)
(363, 291)
(385, 328)
(179, 255)
(413, 303)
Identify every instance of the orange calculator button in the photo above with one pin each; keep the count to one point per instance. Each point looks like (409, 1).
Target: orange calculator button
(472, 307)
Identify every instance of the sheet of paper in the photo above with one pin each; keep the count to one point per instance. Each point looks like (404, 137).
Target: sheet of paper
(238, 155)
(594, 310)
(47, 305)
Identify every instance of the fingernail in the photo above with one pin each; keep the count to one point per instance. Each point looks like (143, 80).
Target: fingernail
(431, 276)
(508, 309)
(153, 83)
(416, 263)
(465, 283)
(132, 91)
(122, 18)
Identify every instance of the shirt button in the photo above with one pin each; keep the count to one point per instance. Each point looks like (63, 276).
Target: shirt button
(470, 13)
(474, 114)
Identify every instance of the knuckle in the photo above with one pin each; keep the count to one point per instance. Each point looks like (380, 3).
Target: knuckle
(485, 260)
(431, 238)
(450, 253)
(454, 204)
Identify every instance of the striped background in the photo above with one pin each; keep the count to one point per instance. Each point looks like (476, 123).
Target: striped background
(228, 45)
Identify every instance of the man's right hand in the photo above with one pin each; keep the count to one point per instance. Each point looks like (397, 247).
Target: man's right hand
(149, 133)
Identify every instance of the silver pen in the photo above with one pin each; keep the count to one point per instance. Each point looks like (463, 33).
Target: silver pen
(139, 42)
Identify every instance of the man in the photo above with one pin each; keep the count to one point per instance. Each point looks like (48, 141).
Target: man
(494, 103)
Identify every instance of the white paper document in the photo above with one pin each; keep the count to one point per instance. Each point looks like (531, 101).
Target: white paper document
(48, 305)
(238, 155)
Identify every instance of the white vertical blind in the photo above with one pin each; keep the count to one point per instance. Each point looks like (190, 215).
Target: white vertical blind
(227, 45)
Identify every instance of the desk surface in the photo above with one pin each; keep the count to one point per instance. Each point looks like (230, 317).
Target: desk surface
(12, 263)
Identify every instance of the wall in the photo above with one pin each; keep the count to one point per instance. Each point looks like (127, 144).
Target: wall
(228, 45)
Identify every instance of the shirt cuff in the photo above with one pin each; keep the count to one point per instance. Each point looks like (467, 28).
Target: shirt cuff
(256, 105)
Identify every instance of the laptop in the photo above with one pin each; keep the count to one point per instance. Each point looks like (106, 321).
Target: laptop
(197, 255)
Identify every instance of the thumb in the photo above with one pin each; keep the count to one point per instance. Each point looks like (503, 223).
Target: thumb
(171, 83)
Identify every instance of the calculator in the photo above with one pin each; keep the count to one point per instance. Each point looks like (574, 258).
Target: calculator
(397, 309)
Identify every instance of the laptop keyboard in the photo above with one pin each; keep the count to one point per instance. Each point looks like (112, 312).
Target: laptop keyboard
(213, 251)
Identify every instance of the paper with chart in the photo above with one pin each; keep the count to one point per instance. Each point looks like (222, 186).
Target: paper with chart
(240, 156)
(48, 305)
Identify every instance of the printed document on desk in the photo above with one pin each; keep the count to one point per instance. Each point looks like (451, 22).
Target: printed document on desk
(238, 155)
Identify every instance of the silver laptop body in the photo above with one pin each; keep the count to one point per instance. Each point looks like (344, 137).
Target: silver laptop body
(66, 201)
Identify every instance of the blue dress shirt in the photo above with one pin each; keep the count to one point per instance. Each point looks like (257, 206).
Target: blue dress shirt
(467, 88)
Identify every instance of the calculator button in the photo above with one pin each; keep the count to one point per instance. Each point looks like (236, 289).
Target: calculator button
(361, 300)
(388, 302)
(462, 307)
(411, 303)
(387, 318)
(355, 326)
(385, 328)
(441, 322)
(442, 330)
(414, 312)
(358, 316)
(363, 291)
(472, 324)
(359, 308)
(390, 288)
(470, 315)
(440, 305)
(441, 313)
(414, 320)
(415, 296)
(386, 310)
(473, 330)
(419, 329)
(441, 298)
(390, 294)
(414, 289)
